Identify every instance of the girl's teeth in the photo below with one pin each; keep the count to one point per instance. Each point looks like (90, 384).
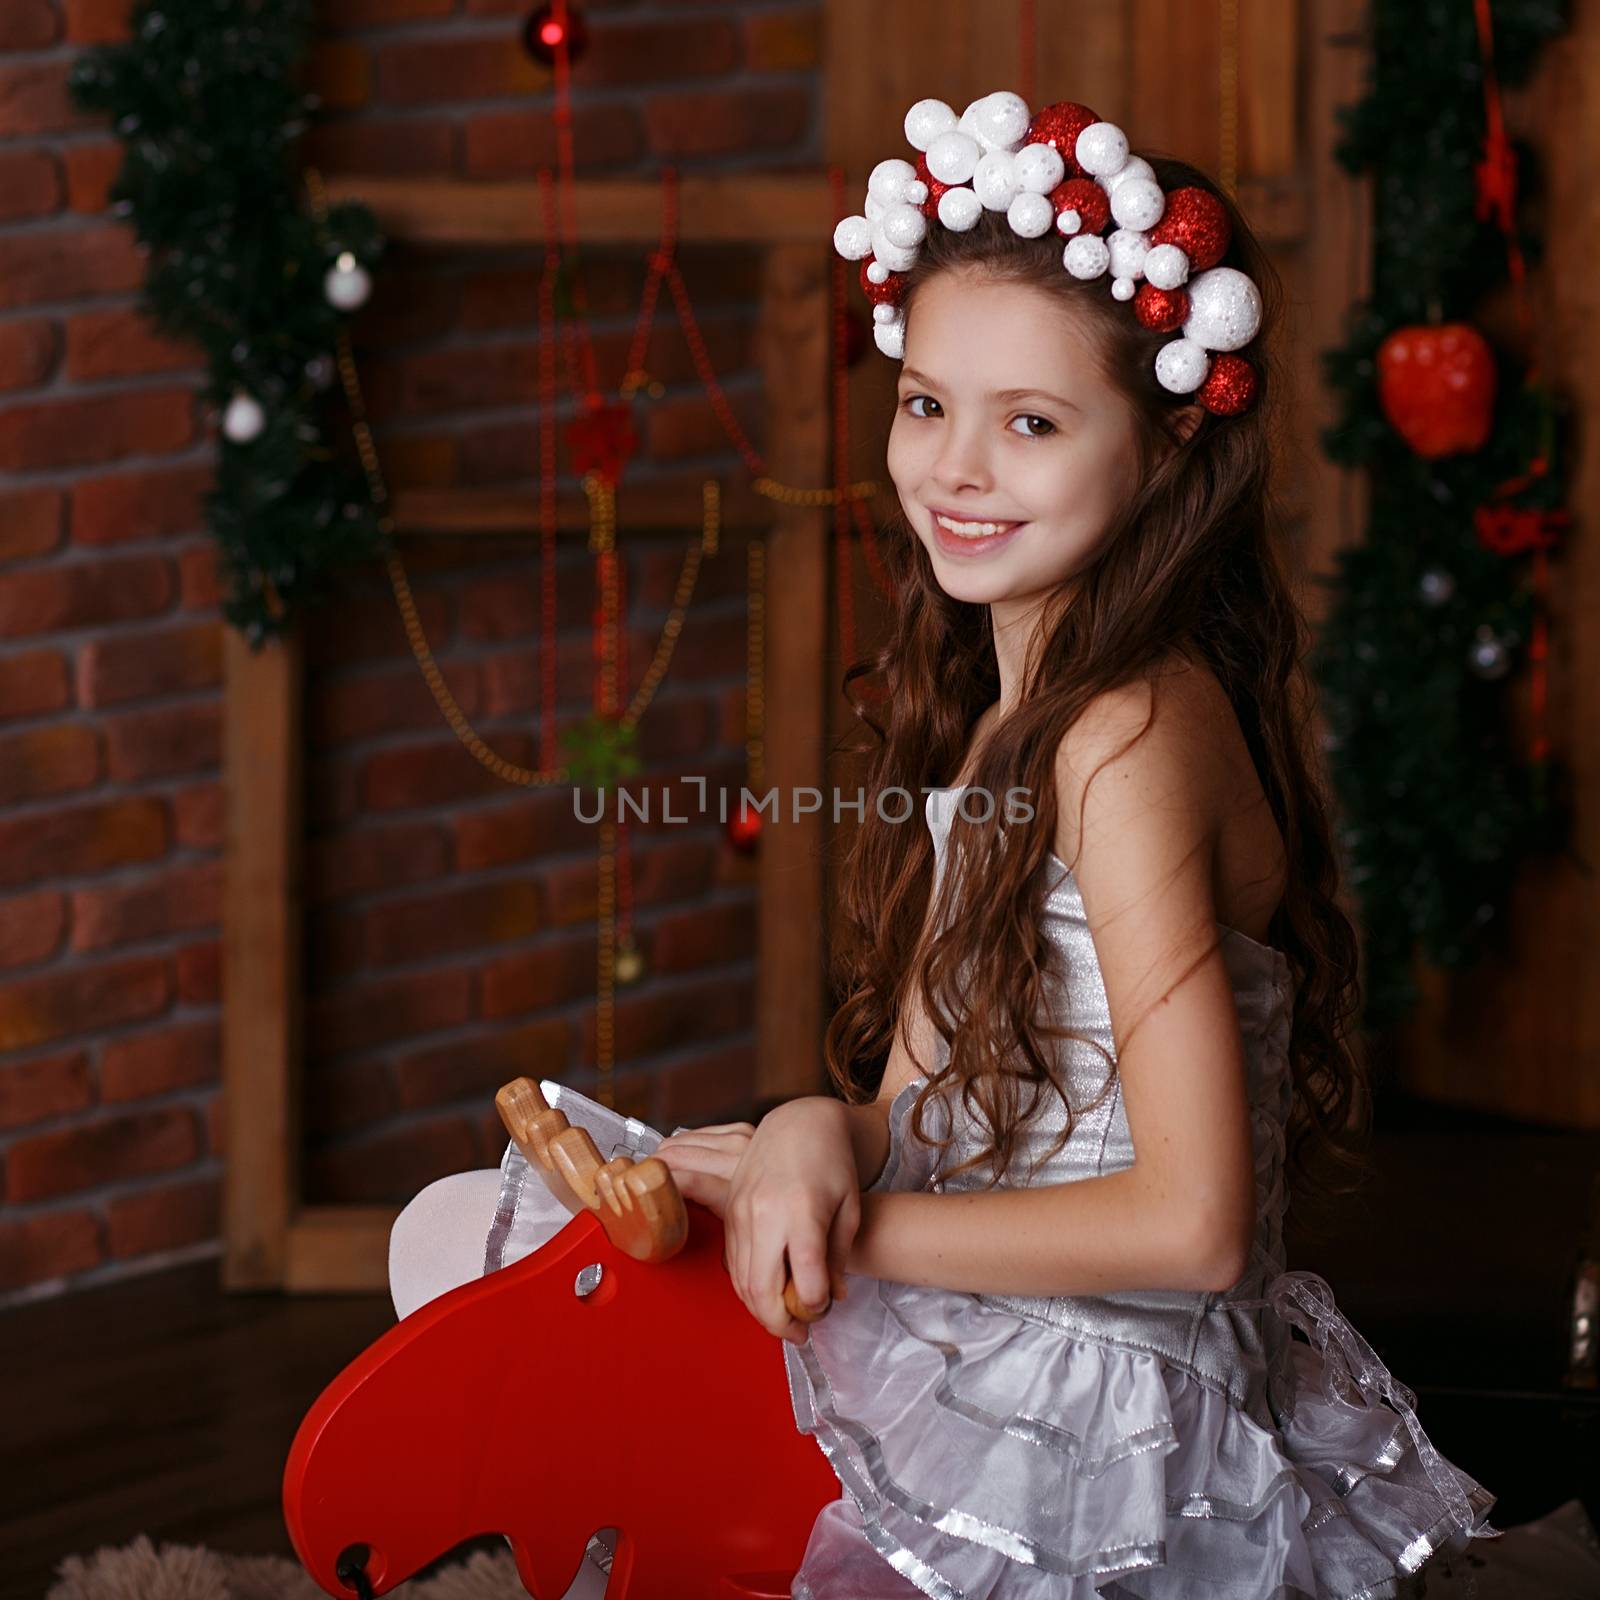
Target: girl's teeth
(974, 529)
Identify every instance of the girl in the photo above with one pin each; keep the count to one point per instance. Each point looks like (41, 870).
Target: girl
(1106, 985)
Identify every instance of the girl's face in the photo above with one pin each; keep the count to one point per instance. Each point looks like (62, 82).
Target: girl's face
(1005, 417)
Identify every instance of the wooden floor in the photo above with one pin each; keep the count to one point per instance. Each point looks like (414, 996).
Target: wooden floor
(165, 1406)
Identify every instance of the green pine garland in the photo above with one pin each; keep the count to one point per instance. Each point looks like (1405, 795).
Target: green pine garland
(1438, 807)
(206, 98)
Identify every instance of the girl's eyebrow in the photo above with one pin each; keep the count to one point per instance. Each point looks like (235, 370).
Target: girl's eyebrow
(994, 394)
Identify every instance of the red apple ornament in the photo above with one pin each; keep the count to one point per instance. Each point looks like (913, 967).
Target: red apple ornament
(1436, 385)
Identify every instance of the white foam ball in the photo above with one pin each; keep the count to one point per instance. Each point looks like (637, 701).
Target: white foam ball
(1030, 214)
(959, 208)
(1039, 168)
(874, 207)
(883, 313)
(897, 258)
(877, 272)
(852, 238)
(926, 120)
(997, 121)
(1086, 256)
(1102, 149)
(890, 337)
(1133, 167)
(904, 226)
(888, 180)
(953, 157)
(1138, 204)
(1123, 289)
(1224, 309)
(995, 181)
(1069, 221)
(1128, 248)
(1181, 366)
(1166, 266)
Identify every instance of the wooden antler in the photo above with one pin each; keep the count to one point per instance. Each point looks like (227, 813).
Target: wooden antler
(637, 1202)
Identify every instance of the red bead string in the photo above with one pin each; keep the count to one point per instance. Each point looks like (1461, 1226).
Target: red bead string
(548, 745)
(843, 565)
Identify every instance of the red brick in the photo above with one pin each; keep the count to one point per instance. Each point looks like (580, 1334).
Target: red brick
(30, 523)
(688, 426)
(386, 856)
(68, 840)
(505, 144)
(427, 71)
(336, 14)
(32, 683)
(390, 1008)
(66, 263)
(82, 1000)
(28, 25)
(82, 594)
(34, 100)
(531, 980)
(216, 1124)
(97, 21)
(176, 898)
(425, 461)
(137, 666)
(702, 936)
(96, 1153)
(49, 1086)
(434, 774)
(145, 1064)
(53, 1245)
(783, 41)
(394, 700)
(476, 1068)
(31, 926)
(339, 73)
(154, 744)
(199, 579)
(540, 825)
(27, 351)
(623, 53)
(717, 1085)
(714, 122)
(48, 761)
(123, 343)
(392, 147)
(91, 169)
(333, 795)
(123, 506)
(95, 428)
(199, 970)
(339, 1097)
(198, 820)
(335, 946)
(391, 1164)
(368, 627)
(455, 919)
(164, 1219)
(653, 1019)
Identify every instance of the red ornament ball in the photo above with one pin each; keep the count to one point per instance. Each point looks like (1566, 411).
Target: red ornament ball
(887, 293)
(930, 206)
(743, 828)
(1161, 310)
(541, 35)
(1230, 386)
(1060, 125)
(1436, 385)
(1197, 222)
(1087, 198)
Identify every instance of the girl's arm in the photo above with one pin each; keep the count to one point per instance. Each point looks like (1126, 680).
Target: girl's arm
(1183, 1215)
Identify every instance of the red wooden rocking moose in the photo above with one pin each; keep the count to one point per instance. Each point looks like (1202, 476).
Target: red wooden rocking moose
(547, 1400)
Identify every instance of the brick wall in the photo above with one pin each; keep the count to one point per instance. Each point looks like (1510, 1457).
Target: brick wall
(450, 933)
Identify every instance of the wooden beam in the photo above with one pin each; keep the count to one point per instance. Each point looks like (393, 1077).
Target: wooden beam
(339, 1249)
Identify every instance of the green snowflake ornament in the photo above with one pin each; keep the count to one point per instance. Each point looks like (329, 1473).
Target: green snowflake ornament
(600, 750)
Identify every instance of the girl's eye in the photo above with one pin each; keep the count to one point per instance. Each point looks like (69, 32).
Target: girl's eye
(1049, 425)
(910, 401)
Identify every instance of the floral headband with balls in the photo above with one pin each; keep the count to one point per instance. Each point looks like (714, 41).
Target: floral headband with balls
(1064, 167)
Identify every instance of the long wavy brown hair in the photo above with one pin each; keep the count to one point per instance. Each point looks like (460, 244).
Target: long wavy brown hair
(1189, 568)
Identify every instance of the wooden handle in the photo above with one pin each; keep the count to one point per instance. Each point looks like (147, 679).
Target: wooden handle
(637, 1202)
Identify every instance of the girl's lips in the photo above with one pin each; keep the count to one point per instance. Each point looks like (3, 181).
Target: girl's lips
(954, 544)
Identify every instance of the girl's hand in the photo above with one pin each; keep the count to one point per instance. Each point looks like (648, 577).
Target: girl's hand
(795, 1198)
(703, 1161)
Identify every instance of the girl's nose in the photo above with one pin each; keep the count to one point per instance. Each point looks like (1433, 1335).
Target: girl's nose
(963, 464)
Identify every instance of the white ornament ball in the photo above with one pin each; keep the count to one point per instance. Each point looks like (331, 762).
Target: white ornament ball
(1102, 149)
(1086, 256)
(347, 283)
(1138, 204)
(852, 238)
(959, 208)
(890, 337)
(877, 272)
(874, 208)
(995, 181)
(904, 226)
(1070, 220)
(889, 179)
(998, 121)
(1039, 168)
(926, 120)
(1224, 309)
(1133, 167)
(953, 157)
(1123, 288)
(1128, 248)
(244, 419)
(883, 313)
(320, 370)
(897, 258)
(1166, 266)
(1030, 215)
(1181, 366)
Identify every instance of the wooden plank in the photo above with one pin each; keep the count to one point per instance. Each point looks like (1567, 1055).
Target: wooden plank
(1269, 89)
(794, 358)
(339, 1249)
(261, 955)
(733, 209)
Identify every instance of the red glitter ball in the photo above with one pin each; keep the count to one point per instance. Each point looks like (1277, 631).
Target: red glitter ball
(1161, 310)
(1060, 125)
(1230, 386)
(1197, 223)
(887, 293)
(1087, 198)
(930, 206)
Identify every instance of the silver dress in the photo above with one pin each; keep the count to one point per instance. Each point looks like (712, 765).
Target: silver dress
(1152, 1444)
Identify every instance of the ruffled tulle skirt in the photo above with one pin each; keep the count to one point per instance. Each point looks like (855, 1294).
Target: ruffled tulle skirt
(986, 1454)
